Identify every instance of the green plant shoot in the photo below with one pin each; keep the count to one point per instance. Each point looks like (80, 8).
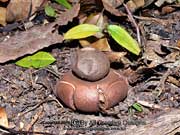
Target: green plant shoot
(64, 3)
(122, 37)
(81, 31)
(37, 60)
(137, 107)
(50, 11)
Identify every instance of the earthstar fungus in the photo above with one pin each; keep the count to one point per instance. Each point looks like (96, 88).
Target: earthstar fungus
(94, 94)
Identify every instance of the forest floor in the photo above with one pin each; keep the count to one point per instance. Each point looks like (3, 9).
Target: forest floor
(26, 94)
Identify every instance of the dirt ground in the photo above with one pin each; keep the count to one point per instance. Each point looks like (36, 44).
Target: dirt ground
(154, 78)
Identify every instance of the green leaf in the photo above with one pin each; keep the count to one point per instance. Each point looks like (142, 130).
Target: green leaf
(24, 62)
(81, 31)
(64, 3)
(137, 107)
(122, 37)
(37, 60)
(50, 11)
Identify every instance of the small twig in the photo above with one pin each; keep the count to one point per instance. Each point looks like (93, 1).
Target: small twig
(161, 21)
(42, 102)
(7, 80)
(52, 71)
(173, 80)
(162, 81)
(174, 130)
(35, 119)
(143, 34)
(31, 78)
(150, 105)
(16, 132)
(57, 101)
(130, 16)
(172, 47)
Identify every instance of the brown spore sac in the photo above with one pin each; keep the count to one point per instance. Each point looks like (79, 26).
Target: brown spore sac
(91, 64)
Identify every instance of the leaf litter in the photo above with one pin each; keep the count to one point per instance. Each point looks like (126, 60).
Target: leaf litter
(34, 39)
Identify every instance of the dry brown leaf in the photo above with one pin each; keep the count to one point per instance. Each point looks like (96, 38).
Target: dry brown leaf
(172, 60)
(135, 4)
(110, 6)
(151, 55)
(115, 56)
(36, 4)
(20, 9)
(67, 16)
(28, 42)
(102, 45)
(99, 20)
(132, 75)
(34, 39)
(84, 43)
(178, 43)
(167, 10)
(3, 0)
(2, 16)
(152, 49)
(173, 80)
(93, 18)
(3, 117)
(160, 2)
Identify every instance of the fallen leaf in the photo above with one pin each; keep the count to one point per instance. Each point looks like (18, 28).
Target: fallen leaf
(173, 80)
(98, 20)
(3, 0)
(36, 38)
(110, 6)
(36, 4)
(167, 10)
(28, 42)
(151, 55)
(133, 5)
(20, 9)
(102, 45)
(88, 6)
(115, 56)
(68, 15)
(178, 43)
(3, 117)
(2, 16)
(132, 76)
(160, 2)
(93, 18)
(173, 59)
(84, 42)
